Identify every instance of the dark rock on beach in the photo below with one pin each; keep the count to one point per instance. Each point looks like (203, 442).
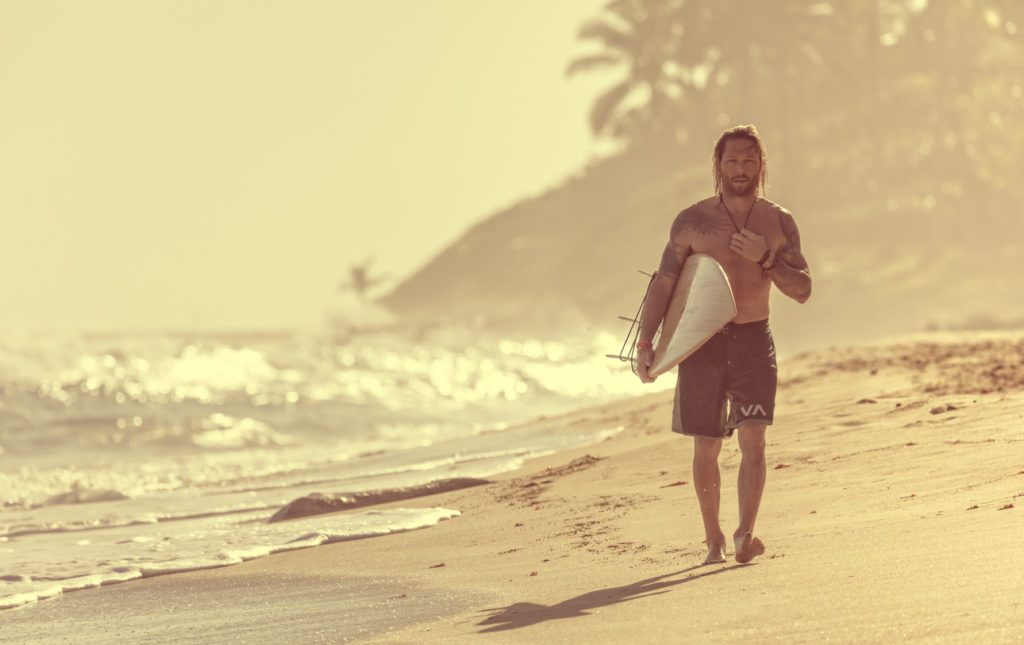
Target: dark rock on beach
(319, 503)
(79, 495)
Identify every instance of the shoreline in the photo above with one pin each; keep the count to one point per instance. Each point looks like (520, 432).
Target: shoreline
(886, 475)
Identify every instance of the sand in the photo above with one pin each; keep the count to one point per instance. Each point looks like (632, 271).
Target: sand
(893, 511)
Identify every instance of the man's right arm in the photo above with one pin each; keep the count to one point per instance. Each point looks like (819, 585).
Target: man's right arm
(658, 296)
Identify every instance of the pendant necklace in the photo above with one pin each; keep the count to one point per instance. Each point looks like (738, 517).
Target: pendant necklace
(733, 219)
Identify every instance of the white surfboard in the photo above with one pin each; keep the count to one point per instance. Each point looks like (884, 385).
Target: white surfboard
(701, 305)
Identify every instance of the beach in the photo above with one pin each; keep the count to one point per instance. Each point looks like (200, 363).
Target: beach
(127, 456)
(892, 511)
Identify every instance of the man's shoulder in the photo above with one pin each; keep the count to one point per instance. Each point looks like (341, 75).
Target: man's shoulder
(695, 208)
(701, 205)
(700, 218)
(777, 209)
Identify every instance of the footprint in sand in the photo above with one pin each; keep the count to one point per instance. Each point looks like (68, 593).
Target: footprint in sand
(852, 423)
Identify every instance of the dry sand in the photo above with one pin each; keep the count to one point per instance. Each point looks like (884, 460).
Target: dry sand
(894, 511)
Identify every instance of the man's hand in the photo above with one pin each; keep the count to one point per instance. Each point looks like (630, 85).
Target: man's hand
(644, 359)
(748, 244)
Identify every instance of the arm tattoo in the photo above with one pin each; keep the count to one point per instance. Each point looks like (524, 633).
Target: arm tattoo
(791, 274)
(790, 251)
(670, 264)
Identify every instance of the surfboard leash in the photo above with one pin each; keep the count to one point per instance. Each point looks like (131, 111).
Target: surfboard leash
(633, 335)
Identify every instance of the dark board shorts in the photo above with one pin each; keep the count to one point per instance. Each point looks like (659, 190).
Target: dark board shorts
(731, 379)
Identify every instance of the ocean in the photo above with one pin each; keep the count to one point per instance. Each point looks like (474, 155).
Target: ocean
(130, 455)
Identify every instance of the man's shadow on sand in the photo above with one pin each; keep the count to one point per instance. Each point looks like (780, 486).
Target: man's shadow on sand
(524, 614)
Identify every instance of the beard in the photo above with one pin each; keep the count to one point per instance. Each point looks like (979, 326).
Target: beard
(742, 189)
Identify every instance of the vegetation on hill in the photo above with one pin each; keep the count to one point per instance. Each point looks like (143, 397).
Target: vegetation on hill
(894, 135)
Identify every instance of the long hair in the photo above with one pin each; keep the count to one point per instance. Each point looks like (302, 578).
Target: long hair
(748, 132)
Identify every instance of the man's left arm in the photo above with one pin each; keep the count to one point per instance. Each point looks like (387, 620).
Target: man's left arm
(789, 271)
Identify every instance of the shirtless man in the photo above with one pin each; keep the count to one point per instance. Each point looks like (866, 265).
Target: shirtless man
(757, 243)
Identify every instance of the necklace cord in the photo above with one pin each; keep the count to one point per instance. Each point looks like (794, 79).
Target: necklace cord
(733, 219)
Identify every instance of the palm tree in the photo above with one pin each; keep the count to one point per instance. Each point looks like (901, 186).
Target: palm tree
(679, 55)
(637, 35)
(360, 281)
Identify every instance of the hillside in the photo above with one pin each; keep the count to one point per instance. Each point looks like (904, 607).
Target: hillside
(571, 252)
(566, 260)
(893, 137)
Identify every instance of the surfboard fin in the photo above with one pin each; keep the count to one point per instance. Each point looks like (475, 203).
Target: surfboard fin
(634, 328)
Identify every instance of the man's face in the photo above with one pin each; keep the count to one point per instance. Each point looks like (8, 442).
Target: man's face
(740, 167)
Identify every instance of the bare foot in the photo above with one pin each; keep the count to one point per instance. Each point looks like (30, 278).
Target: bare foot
(748, 547)
(715, 556)
(716, 551)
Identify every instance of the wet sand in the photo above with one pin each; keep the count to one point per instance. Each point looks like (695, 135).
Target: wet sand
(892, 511)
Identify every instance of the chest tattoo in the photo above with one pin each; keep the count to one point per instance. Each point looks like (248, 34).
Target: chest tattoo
(702, 223)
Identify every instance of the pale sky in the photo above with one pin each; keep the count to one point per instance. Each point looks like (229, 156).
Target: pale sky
(215, 163)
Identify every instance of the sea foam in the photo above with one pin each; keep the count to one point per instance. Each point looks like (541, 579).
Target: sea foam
(17, 590)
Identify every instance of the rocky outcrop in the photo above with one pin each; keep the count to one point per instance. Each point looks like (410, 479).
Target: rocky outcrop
(319, 503)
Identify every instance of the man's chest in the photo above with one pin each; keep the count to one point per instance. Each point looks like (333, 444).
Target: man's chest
(711, 231)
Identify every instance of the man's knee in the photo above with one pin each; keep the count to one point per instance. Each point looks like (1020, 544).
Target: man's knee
(706, 449)
(751, 437)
